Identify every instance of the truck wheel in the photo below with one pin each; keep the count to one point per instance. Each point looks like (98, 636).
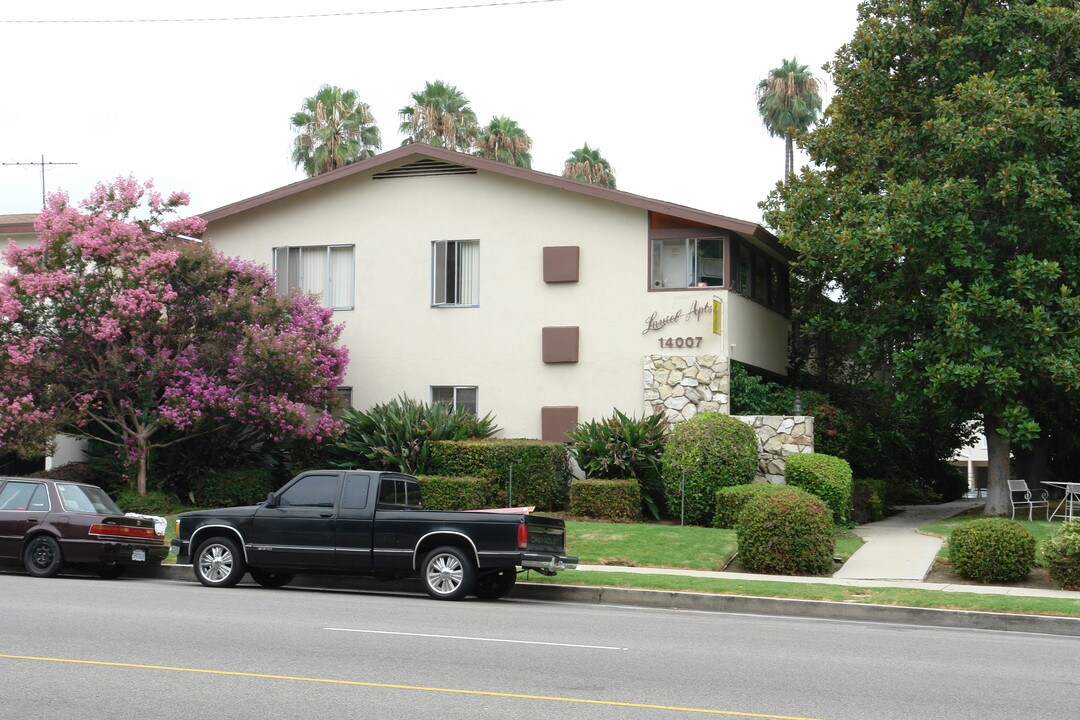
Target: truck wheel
(447, 573)
(271, 579)
(219, 563)
(495, 585)
(42, 557)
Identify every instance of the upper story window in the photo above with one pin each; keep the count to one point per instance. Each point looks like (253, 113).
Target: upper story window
(326, 270)
(455, 273)
(688, 262)
(458, 397)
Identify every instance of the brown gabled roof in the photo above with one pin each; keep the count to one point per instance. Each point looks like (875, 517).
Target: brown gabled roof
(408, 153)
(19, 223)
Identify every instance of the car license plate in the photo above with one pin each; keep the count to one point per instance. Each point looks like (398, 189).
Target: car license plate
(138, 555)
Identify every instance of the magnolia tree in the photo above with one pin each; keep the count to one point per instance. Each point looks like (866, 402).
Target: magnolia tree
(119, 324)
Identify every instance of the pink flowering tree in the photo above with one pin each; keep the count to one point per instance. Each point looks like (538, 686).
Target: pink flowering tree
(120, 325)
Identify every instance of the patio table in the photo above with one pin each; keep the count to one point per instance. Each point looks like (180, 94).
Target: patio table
(1071, 501)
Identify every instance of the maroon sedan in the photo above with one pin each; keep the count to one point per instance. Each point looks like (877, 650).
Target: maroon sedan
(48, 524)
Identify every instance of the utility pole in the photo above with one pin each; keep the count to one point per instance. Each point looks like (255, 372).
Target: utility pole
(41, 163)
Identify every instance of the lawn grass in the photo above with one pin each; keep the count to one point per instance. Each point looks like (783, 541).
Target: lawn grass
(664, 546)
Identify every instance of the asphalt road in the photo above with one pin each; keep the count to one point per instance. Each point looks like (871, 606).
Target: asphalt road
(87, 648)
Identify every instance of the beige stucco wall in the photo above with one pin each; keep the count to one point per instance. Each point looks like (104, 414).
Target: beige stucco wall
(400, 344)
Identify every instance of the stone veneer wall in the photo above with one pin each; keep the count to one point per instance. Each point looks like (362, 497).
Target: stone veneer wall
(779, 436)
(681, 386)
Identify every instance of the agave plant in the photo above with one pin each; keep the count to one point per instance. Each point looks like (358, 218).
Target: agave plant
(623, 447)
(397, 435)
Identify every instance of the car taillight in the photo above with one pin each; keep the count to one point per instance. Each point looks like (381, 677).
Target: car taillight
(128, 531)
(523, 536)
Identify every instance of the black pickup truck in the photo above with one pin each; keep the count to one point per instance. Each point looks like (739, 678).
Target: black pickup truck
(361, 522)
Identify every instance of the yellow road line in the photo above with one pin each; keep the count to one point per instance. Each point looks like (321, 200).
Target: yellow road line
(358, 683)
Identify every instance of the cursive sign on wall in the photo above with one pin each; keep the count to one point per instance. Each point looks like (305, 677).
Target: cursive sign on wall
(695, 311)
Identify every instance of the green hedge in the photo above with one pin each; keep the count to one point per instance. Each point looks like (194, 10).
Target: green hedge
(457, 493)
(730, 501)
(827, 477)
(786, 533)
(541, 470)
(992, 550)
(617, 500)
(227, 488)
(1062, 555)
(708, 452)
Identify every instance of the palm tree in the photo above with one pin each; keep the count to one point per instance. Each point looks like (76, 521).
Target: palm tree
(587, 165)
(504, 141)
(333, 129)
(789, 104)
(439, 115)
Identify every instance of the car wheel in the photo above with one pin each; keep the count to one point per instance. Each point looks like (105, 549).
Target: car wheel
(495, 585)
(447, 573)
(271, 579)
(42, 557)
(219, 563)
(110, 572)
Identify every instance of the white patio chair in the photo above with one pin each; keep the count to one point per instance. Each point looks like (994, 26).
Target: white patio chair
(1020, 496)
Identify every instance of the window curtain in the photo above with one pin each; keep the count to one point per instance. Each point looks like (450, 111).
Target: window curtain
(342, 270)
(468, 273)
(313, 272)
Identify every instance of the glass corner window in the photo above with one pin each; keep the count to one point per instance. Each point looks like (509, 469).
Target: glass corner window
(687, 263)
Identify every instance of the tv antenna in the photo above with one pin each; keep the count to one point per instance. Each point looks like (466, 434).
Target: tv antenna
(41, 163)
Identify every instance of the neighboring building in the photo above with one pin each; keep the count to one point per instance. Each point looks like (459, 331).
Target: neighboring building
(542, 300)
(19, 228)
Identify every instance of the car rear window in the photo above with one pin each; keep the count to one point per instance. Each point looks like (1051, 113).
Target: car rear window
(87, 499)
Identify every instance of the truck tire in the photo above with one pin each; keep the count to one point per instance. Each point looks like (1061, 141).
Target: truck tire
(42, 557)
(495, 585)
(447, 573)
(269, 579)
(219, 563)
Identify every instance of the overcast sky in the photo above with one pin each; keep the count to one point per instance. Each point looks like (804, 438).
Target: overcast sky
(664, 89)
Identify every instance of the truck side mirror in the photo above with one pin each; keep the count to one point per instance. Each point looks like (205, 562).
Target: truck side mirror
(271, 500)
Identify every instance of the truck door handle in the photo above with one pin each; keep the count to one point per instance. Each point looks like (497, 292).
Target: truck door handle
(326, 514)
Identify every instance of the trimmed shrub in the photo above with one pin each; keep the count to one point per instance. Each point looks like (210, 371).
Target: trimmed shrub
(730, 501)
(786, 533)
(623, 447)
(539, 471)
(827, 477)
(992, 550)
(235, 486)
(617, 500)
(456, 493)
(710, 451)
(868, 500)
(1061, 553)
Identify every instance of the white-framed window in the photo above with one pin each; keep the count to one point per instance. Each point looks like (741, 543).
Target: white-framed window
(456, 396)
(688, 263)
(326, 270)
(455, 273)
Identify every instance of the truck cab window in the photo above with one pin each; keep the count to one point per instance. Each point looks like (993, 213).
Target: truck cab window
(400, 492)
(312, 491)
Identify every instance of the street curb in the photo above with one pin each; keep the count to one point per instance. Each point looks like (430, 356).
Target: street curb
(703, 602)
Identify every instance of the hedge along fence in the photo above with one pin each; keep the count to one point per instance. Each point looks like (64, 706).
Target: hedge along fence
(730, 501)
(827, 477)
(618, 500)
(457, 493)
(525, 472)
